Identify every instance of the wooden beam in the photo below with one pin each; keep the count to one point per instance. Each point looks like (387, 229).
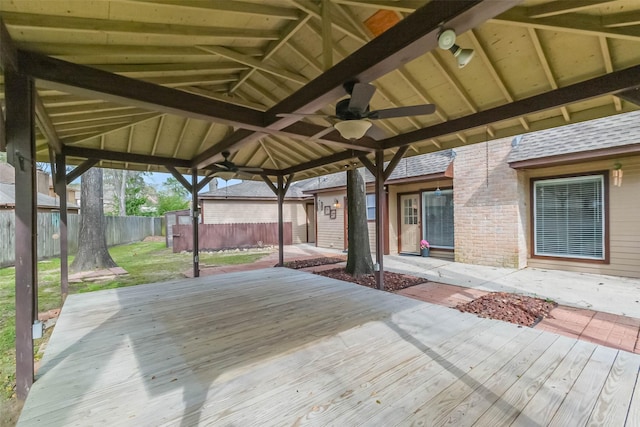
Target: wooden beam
(380, 218)
(3, 137)
(608, 66)
(563, 7)
(599, 86)
(280, 195)
(254, 63)
(115, 156)
(195, 217)
(394, 162)
(181, 179)
(87, 81)
(327, 35)
(368, 164)
(224, 98)
(46, 126)
(8, 51)
(273, 47)
(625, 19)
(252, 9)
(270, 184)
(576, 24)
(407, 6)
(405, 41)
(60, 187)
(171, 69)
(204, 181)
(20, 135)
(79, 170)
(338, 24)
(334, 158)
(188, 32)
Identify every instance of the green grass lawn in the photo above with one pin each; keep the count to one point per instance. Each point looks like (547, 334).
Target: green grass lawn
(146, 262)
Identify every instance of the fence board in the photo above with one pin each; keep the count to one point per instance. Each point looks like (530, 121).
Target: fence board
(227, 236)
(119, 230)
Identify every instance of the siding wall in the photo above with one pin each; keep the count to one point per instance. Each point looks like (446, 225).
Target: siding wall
(624, 219)
(257, 211)
(331, 231)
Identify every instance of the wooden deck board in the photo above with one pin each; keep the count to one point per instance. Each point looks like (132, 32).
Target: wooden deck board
(282, 347)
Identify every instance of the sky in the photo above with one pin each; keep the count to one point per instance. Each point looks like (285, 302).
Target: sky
(156, 179)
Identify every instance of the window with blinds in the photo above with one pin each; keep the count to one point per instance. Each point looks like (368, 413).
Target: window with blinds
(438, 218)
(569, 217)
(371, 207)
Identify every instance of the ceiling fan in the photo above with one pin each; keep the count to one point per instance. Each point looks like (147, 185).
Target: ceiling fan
(226, 166)
(354, 114)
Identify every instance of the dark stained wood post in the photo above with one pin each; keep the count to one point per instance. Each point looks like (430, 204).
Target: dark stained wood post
(280, 194)
(196, 218)
(380, 220)
(61, 190)
(20, 133)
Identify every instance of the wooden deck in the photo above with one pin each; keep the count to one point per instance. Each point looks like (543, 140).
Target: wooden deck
(281, 347)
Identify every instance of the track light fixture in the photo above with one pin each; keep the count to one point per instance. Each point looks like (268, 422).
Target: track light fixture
(447, 41)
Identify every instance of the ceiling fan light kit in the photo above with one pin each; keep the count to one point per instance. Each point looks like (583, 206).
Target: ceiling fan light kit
(352, 129)
(447, 41)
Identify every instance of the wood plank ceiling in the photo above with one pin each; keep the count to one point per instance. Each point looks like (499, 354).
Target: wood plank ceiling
(254, 56)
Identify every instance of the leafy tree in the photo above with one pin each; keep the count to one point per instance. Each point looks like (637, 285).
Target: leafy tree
(173, 197)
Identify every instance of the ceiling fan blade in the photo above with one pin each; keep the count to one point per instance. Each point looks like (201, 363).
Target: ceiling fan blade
(376, 133)
(250, 169)
(304, 115)
(360, 97)
(413, 110)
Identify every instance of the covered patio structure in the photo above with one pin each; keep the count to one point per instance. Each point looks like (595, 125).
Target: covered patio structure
(283, 347)
(171, 85)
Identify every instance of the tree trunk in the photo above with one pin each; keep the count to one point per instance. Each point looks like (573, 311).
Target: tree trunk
(122, 197)
(92, 242)
(359, 252)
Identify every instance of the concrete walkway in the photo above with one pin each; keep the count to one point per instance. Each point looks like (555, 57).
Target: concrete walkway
(596, 308)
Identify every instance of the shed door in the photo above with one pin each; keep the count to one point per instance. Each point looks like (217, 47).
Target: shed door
(311, 223)
(410, 223)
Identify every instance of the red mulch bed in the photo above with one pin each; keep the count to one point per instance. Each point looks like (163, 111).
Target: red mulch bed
(314, 262)
(392, 281)
(518, 309)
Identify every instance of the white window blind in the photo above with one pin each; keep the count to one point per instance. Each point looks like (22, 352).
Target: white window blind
(569, 217)
(438, 218)
(371, 207)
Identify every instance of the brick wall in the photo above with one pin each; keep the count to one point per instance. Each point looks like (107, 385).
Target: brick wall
(489, 207)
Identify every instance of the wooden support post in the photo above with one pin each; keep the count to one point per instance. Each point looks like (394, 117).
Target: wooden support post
(195, 210)
(280, 194)
(20, 133)
(60, 183)
(380, 219)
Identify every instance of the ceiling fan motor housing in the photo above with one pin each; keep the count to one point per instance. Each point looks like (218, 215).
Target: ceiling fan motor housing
(343, 112)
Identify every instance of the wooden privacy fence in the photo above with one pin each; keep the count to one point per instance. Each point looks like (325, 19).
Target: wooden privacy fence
(119, 230)
(227, 236)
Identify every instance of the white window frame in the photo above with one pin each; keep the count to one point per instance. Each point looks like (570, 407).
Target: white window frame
(601, 177)
(370, 197)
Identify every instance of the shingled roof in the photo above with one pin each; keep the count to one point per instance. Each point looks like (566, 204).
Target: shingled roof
(254, 190)
(8, 199)
(409, 167)
(613, 131)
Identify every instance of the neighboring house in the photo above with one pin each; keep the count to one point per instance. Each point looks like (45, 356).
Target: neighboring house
(545, 199)
(253, 202)
(45, 202)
